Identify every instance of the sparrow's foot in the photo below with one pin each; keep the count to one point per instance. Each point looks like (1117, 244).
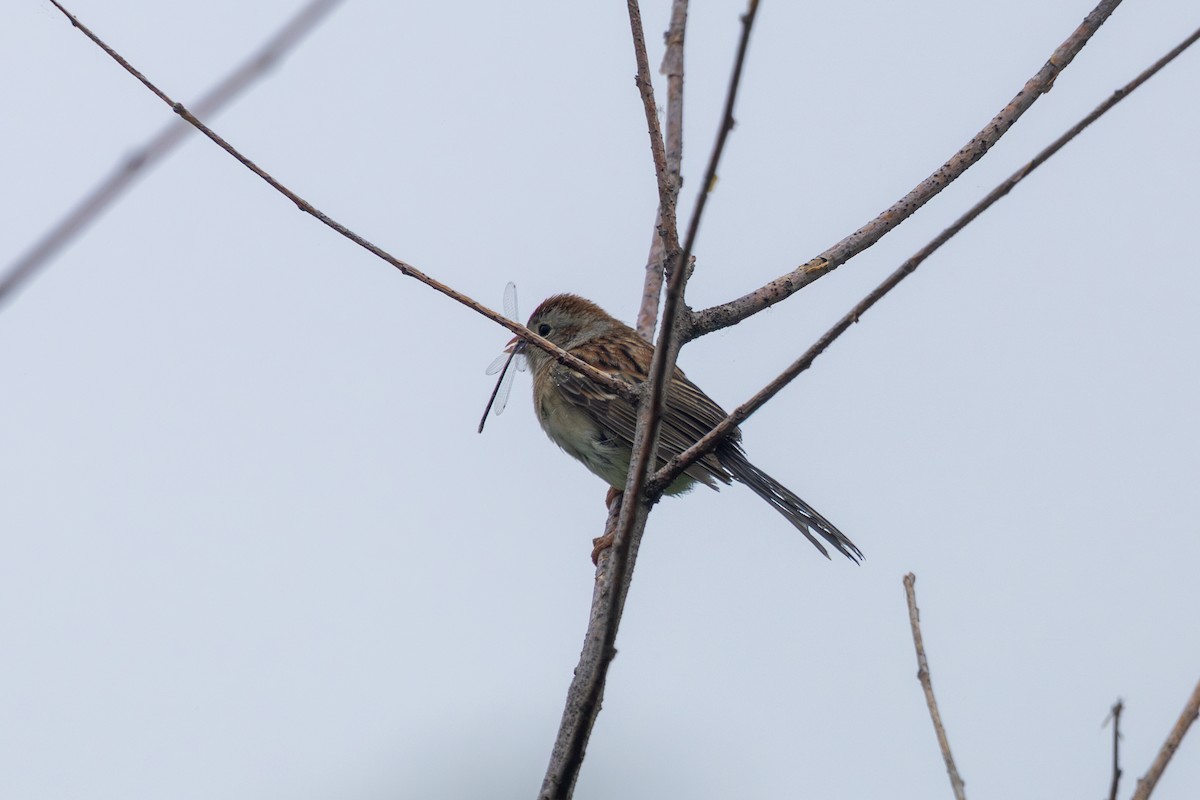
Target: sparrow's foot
(612, 500)
(602, 543)
(612, 495)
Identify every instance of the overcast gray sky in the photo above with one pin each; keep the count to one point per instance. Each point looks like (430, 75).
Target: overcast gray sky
(253, 546)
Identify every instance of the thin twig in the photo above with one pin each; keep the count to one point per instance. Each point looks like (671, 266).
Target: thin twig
(652, 285)
(709, 442)
(1147, 782)
(672, 67)
(666, 197)
(615, 564)
(722, 316)
(153, 151)
(1115, 716)
(914, 619)
(560, 355)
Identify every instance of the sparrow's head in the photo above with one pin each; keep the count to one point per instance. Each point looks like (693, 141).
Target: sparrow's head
(569, 321)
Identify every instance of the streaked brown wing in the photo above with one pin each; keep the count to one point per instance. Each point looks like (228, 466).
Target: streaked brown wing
(690, 414)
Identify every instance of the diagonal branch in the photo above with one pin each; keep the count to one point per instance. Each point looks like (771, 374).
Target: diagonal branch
(785, 286)
(560, 355)
(615, 564)
(122, 177)
(709, 442)
(587, 687)
(914, 619)
(1191, 711)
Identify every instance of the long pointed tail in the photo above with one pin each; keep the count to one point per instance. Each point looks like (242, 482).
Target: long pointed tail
(804, 517)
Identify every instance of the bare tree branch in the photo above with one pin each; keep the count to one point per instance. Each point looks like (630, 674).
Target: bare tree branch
(560, 355)
(666, 197)
(626, 520)
(709, 442)
(727, 314)
(615, 564)
(647, 316)
(650, 415)
(1115, 716)
(1148, 781)
(586, 693)
(914, 618)
(672, 67)
(149, 154)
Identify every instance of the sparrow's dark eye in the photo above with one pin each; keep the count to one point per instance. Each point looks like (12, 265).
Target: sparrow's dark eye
(543, 329)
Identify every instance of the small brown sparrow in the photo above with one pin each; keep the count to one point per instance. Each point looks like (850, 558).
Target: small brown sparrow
(596, 426)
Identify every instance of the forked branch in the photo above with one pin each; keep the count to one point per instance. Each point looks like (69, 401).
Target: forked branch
(672, 67)
(709, 442)
(666, 191)
(615, 564)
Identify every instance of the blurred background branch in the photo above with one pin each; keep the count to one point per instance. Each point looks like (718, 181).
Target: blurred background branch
(109, 190)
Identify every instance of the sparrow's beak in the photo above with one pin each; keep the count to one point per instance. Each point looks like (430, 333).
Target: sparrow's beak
(514, 345)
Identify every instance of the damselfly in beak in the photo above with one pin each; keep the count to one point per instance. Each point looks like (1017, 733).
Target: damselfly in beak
(512, 356)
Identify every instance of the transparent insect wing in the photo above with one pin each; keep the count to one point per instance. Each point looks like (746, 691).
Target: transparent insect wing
(503, 362)
(519, 361)
(502, 391)
(497, 364)
(510, 311)
(510, 300)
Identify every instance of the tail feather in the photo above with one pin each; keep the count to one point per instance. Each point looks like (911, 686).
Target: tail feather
(804, 517)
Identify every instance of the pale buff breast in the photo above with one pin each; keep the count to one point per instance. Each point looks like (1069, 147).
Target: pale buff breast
(576, 432)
